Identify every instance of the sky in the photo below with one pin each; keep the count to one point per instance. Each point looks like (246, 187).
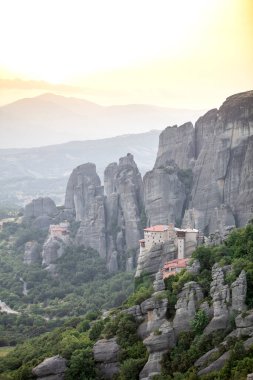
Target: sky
(175, 53)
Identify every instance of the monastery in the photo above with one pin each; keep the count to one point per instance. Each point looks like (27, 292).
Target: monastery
(60, 231)
(186, 241)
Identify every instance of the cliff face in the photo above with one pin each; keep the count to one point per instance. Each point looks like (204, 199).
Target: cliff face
(223, 172)
(110, 223)
(164, 194)
(219, 152)
(85, 199)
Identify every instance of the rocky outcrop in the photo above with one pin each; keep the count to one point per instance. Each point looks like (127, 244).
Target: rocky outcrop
(219, 362)
(220, 294)
(51, 369)
(223, 171)
(124, 205)
(177, 144)
(239, 291)
(111, 223)
(219, 152)
(41, 212)
(32, 253)
(216, 365)
(157, 334)
(150, 261)
(40, 207)
(158, 284)
(52, 250)
(85, 199)
(106, 355)
(227, 300)
(187, 304)
(54, 246)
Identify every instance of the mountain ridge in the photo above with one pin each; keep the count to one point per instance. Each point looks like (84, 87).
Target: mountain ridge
(52, 119)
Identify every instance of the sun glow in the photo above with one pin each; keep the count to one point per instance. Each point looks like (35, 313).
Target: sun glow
(121, 45)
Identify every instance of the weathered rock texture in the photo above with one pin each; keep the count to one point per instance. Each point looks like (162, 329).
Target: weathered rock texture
(219, 151)
(54, 247)
(85, 199)
(149, 262)
(225, 299)
(164, 194)
(41, 212)
(187, 304)
(32, 253)
(160, 334)
(110, 222)
(106, 355)
(124, 205)
(51, 369)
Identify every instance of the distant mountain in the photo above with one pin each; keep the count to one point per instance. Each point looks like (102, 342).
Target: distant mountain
(28, 173)
(51, 119)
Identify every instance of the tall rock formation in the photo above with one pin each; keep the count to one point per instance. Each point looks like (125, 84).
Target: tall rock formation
(124, 205)
(85, 199)
(203, 176)
(223, 172)
(110, 223)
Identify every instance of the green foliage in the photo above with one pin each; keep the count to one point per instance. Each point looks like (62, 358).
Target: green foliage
(143, 290)
(83, 284)
(131, 368)
(199, 322)
(81, 366)
(96, 330)
(76, 287)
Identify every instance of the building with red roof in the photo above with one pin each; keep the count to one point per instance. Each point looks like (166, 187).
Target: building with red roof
(173, 267)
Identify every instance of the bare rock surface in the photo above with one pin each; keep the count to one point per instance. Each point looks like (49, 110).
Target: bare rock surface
(32, 253)
(239, 291)
(164, 194)
(51, 369)
(151, 261)
(219, 152)
(216, 365)
(106, 354)
(220, 294)
(187, 304)
(110, 220)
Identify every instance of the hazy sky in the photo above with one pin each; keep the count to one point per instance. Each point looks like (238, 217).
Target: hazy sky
(179, 53)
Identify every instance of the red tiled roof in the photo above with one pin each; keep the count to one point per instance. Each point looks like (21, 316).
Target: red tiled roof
(158, 228)
(177, 263)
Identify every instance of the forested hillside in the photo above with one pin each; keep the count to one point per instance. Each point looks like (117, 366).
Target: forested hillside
(76, 338)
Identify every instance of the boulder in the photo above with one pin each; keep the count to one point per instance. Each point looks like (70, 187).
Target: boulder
(51, 369)
(106, 355)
